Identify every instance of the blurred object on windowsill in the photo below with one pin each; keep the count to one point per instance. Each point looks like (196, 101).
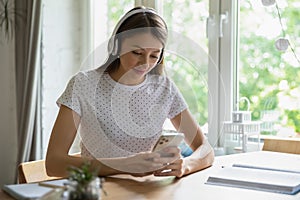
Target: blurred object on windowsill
(269, 119)
(283, 132)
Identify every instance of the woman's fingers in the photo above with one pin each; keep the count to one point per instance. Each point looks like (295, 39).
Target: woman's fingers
(175, 151)
(149, 162)
(172, 169)
(168, 155)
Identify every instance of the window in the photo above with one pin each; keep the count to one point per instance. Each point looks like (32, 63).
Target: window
(251, 66)
(187, 62)
(268, 75)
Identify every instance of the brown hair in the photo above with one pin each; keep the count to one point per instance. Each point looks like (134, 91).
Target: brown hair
(139, 21)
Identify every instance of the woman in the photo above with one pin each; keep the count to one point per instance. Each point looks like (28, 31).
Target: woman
(119, 109)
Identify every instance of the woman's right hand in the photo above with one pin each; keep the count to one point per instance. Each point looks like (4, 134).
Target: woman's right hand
(144, 163)
(148, 162)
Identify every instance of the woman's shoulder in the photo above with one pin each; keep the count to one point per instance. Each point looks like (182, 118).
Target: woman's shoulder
(87, 75)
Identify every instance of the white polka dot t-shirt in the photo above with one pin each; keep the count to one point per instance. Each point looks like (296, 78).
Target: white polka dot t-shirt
(119, 120)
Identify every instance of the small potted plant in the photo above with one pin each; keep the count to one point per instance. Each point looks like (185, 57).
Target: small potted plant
(84, 184)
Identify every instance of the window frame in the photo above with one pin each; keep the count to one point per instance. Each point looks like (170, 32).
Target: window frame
(228, 59)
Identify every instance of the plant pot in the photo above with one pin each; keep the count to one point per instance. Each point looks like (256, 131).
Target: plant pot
(89, 191)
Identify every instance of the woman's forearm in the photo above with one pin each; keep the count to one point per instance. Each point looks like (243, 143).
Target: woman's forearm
(202, 158)
(58, 166)
(141, 164)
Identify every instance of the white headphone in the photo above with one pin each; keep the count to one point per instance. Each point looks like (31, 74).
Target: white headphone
(113, 42)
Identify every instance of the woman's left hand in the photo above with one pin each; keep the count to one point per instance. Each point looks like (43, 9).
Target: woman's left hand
(176, 168)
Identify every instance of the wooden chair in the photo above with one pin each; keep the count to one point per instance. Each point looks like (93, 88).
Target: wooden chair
(33, 171)
(289, 145)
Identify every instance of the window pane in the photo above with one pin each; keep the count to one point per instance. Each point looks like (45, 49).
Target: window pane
(188, 69)
(267, 76)
(115, 10)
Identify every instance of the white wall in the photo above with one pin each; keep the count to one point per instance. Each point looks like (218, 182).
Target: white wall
(63, 49)
(8, 126)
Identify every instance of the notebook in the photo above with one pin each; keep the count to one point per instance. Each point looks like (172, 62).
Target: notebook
(30, 191)
(33, 191)
(250, 177)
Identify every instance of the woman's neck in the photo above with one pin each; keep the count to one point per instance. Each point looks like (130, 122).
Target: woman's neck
(125, 78)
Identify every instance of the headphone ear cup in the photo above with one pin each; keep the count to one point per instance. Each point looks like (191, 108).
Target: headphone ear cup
(110, 45)
(114, 51)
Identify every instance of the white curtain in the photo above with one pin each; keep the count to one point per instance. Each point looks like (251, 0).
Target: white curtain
(28, 37)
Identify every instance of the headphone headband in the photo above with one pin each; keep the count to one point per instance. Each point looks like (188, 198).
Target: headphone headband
(133, 12)
(112, 45)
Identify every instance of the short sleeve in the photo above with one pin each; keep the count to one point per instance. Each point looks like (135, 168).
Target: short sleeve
(178, 103)
(71, 96)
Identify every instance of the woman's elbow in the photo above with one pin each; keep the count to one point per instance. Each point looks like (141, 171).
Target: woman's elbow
(51, 165)
(211, 158)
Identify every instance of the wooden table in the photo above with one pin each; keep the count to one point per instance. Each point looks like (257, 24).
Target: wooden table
(193, 186)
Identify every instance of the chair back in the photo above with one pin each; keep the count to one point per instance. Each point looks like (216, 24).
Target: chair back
(290, 145)
(33, 171)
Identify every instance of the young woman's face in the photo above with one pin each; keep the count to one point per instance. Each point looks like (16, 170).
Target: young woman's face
(139, 54)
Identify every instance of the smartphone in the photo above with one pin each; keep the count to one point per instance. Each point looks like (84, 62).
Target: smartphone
(168, 138)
